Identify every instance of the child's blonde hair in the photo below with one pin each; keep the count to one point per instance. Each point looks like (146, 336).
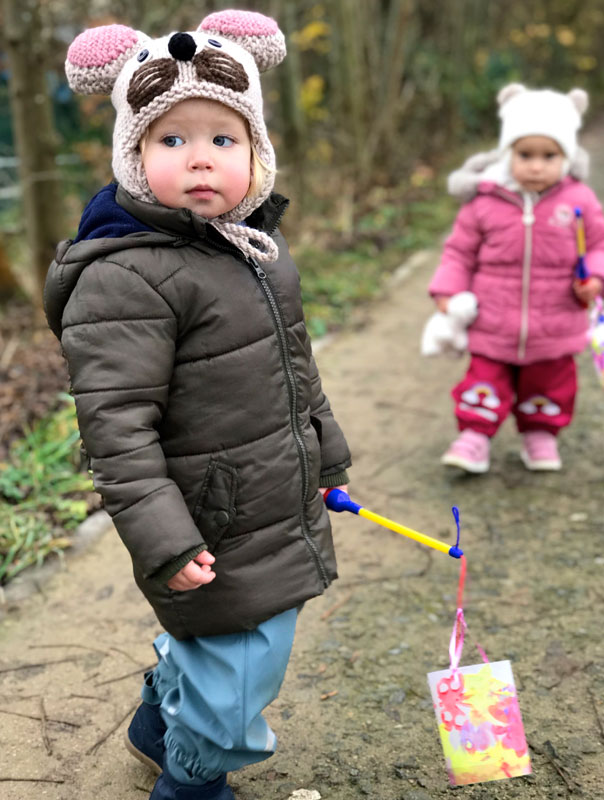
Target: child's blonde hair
(259, 170)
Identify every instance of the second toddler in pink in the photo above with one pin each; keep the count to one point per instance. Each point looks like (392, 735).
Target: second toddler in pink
(514, 246)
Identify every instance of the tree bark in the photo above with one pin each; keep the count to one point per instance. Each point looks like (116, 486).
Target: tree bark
(295, 133)
(34, 134)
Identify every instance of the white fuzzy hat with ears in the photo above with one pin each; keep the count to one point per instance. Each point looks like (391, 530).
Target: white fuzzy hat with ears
(219, 61)
(541, 112)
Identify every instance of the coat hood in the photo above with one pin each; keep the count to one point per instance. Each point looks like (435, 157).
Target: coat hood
(104, 218)
(493, 167)
(114, 220)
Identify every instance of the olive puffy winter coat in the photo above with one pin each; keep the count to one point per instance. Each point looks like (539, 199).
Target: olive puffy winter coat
(200, 407)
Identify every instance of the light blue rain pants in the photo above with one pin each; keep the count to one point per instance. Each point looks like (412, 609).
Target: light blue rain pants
(212, 692)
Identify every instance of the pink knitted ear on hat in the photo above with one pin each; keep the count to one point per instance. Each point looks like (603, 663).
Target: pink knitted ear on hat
(256, 33)
(96, 57)
(240, 23)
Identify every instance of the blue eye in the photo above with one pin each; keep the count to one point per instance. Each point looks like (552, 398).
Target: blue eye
(214, 43)
(173, 141)
(223, 141)
(142, 55)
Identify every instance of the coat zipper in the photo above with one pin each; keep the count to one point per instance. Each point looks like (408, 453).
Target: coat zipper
(293, 393)
(528, 220)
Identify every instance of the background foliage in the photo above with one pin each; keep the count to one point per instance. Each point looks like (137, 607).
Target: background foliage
(42, 492)
(370, 88)
(373, 104)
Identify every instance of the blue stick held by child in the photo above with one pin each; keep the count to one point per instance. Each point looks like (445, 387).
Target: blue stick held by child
(513, 246)
(200, 405)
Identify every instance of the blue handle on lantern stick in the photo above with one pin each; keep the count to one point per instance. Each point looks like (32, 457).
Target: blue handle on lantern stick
(338, 500)
(581, 270)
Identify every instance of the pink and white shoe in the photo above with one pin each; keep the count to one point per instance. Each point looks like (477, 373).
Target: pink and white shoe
(470, 452)
(540, 452)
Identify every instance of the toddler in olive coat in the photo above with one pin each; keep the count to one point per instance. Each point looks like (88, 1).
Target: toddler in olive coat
(200, 406)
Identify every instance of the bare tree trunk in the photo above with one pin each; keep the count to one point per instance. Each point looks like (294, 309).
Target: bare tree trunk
(387, 42)
(294, 125)
(34, 133)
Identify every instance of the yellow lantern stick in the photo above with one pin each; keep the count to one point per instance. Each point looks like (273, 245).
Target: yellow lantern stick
(581, 271)
(581, 266)
(338, 500)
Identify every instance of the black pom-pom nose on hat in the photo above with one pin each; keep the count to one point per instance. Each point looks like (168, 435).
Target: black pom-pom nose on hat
(182, 46)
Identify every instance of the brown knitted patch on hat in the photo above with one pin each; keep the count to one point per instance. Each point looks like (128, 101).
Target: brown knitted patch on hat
(151, 80)
(220, 68)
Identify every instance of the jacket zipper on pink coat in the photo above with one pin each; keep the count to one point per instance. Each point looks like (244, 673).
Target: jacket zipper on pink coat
(528, 220)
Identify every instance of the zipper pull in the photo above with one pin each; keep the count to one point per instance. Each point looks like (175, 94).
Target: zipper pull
(257, 268)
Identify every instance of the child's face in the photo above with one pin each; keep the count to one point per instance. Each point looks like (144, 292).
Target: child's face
(536, 162)
(198, 156)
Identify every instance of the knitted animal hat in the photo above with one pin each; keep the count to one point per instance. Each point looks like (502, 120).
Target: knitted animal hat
(219, 61)
(541, 112)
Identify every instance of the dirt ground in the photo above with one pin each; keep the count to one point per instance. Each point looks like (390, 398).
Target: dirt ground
(355, 718)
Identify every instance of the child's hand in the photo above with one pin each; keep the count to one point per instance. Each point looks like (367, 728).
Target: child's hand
(194, 574)
(442, 302)
(324, 489)
(588, 290)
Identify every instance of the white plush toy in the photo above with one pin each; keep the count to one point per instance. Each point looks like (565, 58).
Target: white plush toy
(446, 333)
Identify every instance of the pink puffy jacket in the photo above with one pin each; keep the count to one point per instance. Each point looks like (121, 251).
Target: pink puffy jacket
(519, 260)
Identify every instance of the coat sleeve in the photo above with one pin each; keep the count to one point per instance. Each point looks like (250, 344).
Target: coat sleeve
(594, 235)
(459, 257)
(119, 340)
(335, 455)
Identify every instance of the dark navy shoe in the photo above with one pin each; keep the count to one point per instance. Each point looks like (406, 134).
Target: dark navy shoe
(166, 788)
(145, 736)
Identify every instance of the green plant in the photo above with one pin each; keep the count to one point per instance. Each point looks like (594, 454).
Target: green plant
(42, 492)
(340, 276)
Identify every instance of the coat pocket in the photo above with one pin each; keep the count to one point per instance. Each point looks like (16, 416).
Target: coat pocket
(215, 508)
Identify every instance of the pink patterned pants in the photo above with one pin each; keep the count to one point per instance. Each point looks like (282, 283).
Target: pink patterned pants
(540, 395)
